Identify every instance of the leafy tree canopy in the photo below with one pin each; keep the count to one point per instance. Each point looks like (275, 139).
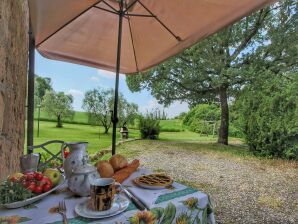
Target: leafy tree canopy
(42, 84)
(99, 104)
(219, 66)
(269, 114)
(58, 105)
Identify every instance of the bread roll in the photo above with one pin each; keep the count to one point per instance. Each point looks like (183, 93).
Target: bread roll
(118, 162)
(124, 173)
(104, 168)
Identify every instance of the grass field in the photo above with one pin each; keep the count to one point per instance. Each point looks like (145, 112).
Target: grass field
(97, 141)
(171, 125)
(82, 118)
(76, 132)
(79, 117)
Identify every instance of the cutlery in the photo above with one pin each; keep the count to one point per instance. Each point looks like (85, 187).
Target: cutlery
(62, 211)
(134, 199)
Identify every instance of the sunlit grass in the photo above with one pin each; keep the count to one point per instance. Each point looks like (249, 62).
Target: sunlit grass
(77, 132)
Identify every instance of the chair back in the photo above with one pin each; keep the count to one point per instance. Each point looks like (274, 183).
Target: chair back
(58, 156)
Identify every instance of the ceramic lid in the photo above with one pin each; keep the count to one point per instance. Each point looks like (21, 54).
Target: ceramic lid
(85, 169)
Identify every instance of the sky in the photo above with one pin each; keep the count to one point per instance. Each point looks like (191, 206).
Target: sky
(77, 79)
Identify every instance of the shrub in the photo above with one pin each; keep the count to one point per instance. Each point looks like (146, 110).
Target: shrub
(207, 112)
(202, 127)
(149, 126)
(270, 118)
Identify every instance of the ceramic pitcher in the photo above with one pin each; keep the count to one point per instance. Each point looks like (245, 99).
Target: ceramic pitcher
(79, 181)
(77, 151)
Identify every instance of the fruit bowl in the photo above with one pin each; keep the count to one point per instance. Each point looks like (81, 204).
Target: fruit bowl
(29, 201)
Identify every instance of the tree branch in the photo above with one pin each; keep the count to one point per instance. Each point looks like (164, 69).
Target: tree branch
(262, 15)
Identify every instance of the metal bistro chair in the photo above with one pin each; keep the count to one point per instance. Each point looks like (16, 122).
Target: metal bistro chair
(59, 156)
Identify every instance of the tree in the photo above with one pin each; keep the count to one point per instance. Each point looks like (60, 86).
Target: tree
(58, 105)
(42, 84)
(219, 66)
(270, 117)
(128, 112)
(99, 104)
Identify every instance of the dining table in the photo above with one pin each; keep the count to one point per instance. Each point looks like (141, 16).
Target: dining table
(175, 204)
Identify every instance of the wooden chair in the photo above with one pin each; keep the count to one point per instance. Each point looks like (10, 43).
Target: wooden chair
(53, 156)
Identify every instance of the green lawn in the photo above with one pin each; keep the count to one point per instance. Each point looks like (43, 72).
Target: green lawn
(79, 117)
(173, 125)
(82, 118)
(79, 132)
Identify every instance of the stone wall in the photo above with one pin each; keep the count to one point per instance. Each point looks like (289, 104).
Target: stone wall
(13, 79)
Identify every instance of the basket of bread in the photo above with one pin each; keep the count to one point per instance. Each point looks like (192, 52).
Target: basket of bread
(117, 167)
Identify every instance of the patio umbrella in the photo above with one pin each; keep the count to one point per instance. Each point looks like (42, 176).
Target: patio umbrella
(128, 36)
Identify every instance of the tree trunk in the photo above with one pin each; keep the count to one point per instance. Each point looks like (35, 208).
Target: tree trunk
(59, 121)
(223, 133)
(106, 129)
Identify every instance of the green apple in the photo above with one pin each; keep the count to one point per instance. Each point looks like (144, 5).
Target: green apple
(53, 174)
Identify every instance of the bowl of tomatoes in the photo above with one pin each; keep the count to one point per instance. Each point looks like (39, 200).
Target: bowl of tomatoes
(21, 189)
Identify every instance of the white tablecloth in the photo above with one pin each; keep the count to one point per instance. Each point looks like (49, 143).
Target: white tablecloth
(174, 205)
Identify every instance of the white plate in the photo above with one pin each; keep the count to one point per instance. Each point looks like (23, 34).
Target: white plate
(120, 205)
(29, 201)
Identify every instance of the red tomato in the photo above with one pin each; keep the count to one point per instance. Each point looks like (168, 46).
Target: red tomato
(32, 187)
(29, 176)
(38, 176)
(46, 180)
(25, 183)
(47, 187)
(66, 153)
(38, 189)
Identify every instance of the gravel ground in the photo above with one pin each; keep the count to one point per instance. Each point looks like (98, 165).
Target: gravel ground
(243, 189)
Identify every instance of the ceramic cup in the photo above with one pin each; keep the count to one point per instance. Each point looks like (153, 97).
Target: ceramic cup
(102, 191)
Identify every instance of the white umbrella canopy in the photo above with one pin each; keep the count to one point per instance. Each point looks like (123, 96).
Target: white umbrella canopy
(86, 31)
(128, 36)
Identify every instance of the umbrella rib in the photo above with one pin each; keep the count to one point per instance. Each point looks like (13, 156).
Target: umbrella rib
(97, 7)
(133, 46)
(71, 20)
(110, 6)
(167, 28)
(139, 15)
(131, 5)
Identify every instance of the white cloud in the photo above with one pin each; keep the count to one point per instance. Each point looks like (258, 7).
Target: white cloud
(105, 74)
(94, 78)
(75, 92)
(173, 110)
(102, 74)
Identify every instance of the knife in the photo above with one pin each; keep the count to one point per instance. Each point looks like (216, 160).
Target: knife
(133, 199)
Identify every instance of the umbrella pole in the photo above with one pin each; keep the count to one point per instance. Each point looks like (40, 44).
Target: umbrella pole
(30, 87)
(115, 113)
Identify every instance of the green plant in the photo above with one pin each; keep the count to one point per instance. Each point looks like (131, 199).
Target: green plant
(270, 117)
(203, 112)
(149, 126)
(12, 192)
(204, 127)
(54, 163)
